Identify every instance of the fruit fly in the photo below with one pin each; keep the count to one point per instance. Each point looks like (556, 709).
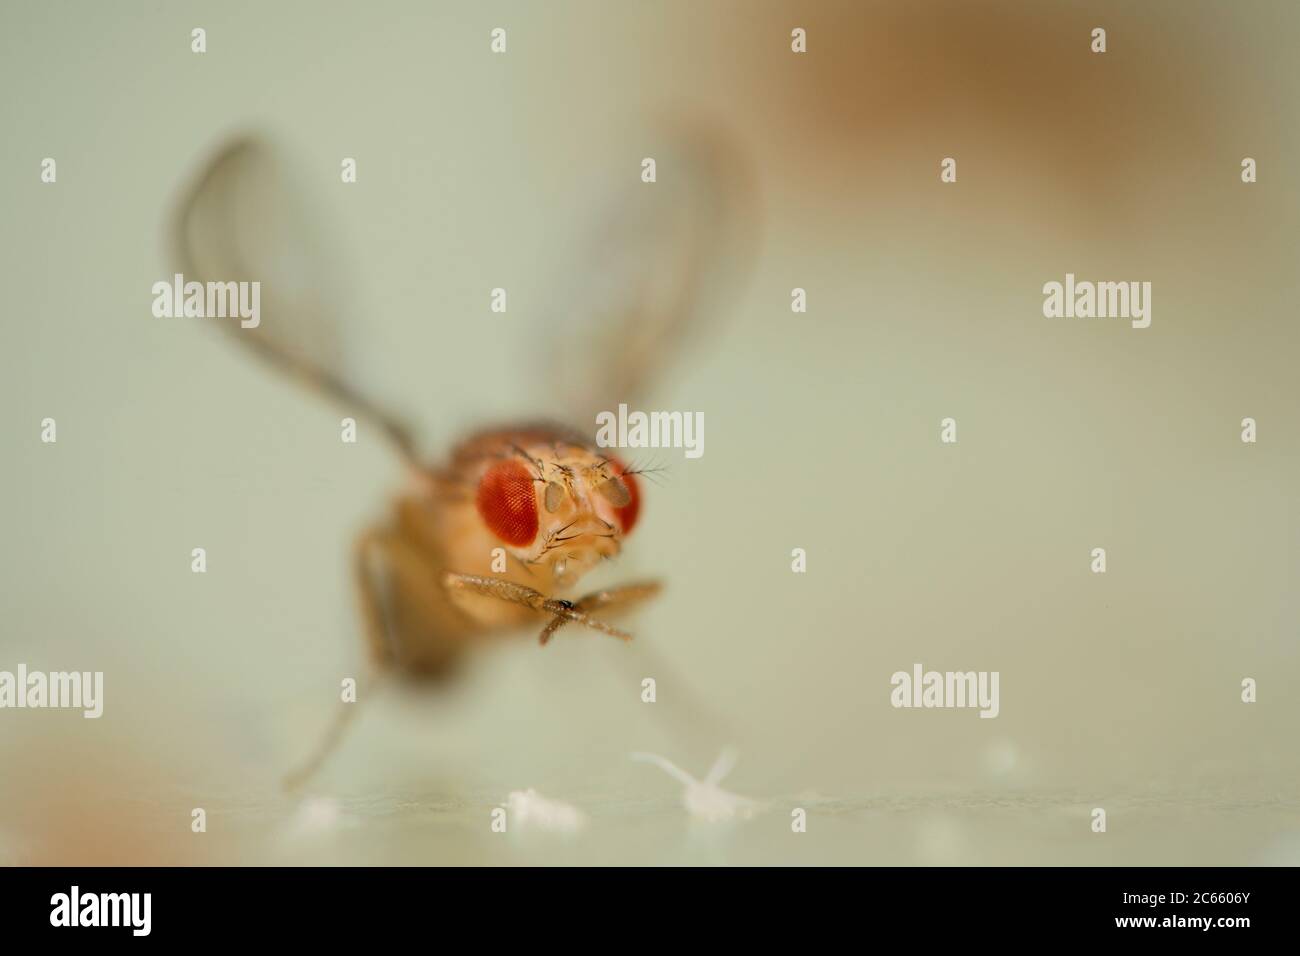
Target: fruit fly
(498, 535)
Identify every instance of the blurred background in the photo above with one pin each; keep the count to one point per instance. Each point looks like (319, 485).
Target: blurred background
(475, 171)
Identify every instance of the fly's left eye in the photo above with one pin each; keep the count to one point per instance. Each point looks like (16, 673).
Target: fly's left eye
(507, 503)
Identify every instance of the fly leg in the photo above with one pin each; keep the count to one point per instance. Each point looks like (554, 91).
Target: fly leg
(376, 613)
(384, 650)
(619, 598)
(563, 611)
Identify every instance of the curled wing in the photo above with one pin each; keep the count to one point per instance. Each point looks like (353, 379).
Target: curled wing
(242, 220)
(655, 271)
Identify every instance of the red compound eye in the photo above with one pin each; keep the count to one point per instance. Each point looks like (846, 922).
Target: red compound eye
(627, 514)
(507, 502)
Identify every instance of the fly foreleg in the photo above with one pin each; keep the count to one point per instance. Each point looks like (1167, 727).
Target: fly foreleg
(562, 611)
(619, 598)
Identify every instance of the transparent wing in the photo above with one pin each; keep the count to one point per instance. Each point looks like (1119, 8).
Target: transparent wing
(242, 219)
(655, 271)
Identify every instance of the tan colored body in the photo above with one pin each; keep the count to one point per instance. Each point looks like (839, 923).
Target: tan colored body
(426, 581)
(486, 544)
(419, 615)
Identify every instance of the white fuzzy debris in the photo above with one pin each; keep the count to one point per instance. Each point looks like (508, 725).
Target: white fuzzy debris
(704, 799)
(1001, 757)
(316, 816)
(529, 809)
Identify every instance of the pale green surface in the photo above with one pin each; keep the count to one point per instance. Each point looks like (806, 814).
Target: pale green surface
(1119, 691)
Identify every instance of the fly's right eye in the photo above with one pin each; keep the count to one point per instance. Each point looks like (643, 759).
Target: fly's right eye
(507, 503)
